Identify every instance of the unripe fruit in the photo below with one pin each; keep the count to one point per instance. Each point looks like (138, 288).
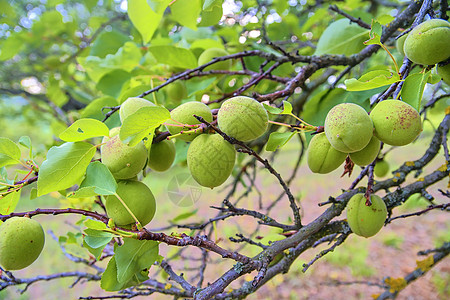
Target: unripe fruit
(365, 220)
(348, 127)
(428, 43)
(211, 53)
(444, 72)
(322, 157)
(381, 168)
(399, 43)
(396, 122)
(139, 199)
(243, 118)
(131, 105)
(176, 91)
(367, 154)
(21, 242)
(161, 155)
(184, 114)
(123, 161)
(210, 159)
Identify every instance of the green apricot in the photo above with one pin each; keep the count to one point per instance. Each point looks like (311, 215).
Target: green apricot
(348, 127)
(131, 105)
(243, 118)
(123, 161)
(396, 122)
(21, 242)
(399, 43)
(381, 168)
(367, 154)
(139, 199)
(210, 159)
(176, 91)
(322, 158)
(428, 43)
(184, 114)
(210, 54)
(444, 72)
(365, 220)
(161, 155)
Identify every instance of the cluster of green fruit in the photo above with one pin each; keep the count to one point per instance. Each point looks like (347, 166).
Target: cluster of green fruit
(210, 158)
(349, 130)
(428, 44)
(21, 242)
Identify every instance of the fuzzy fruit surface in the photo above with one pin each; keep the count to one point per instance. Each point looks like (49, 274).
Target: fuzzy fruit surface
(367, 154)
(123, 161)
(396, 123)
(21, 242)
(161, 155)
(184, 114)
(348, 127)
(365, 220)
(322, 158)
(210, 159)
(444, 72)
(381, 168)
(243, 118)
(399, 44)
(210, 54)
(176, 91)
(428, 43)
(131, 105)
(139, 199)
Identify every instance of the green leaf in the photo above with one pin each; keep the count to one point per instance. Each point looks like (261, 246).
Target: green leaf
(287, 108)
(193, 86)
(84, 129)
(142, 123)
(144, 19)
(158, 5)
(186, 12)
(206, 44)
(134, 256)
(94, 111)
(126, 58)
(55, 93)
(98, 181)
(272, 110)
(109, 280)
(371, 80)
(184, 216)
(97, 238)
(11, 46)
(342, 37)
(173, 56)
(413, 87)
(108, 42)
(9, 202)
(25, 141)
(375, 34)
(65, 166)
(97, 252)
(278, 140)
(211, 17)
(111, 83)
(94, 224)
(9, 152)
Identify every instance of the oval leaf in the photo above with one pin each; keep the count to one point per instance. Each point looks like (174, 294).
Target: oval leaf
(84, 129)
(9, 152)
(371, 80)
(65, 166)
(98, 181)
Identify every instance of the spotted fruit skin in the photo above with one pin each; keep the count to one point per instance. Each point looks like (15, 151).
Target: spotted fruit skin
(210, 159)
(428, 43)
(139, 199)
(243, 118)
(211, 53)
(396, 122)
(184, 114)
(365, 220)
(123, 161)
(322, 158)
(161, 155)
(131, 105)
(348, 127)
(444, 72)
(381, 168)
(21, 242)
(367, 154)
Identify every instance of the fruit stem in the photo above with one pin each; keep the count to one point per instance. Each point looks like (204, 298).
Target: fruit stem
(139, 226)
(196, 130)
